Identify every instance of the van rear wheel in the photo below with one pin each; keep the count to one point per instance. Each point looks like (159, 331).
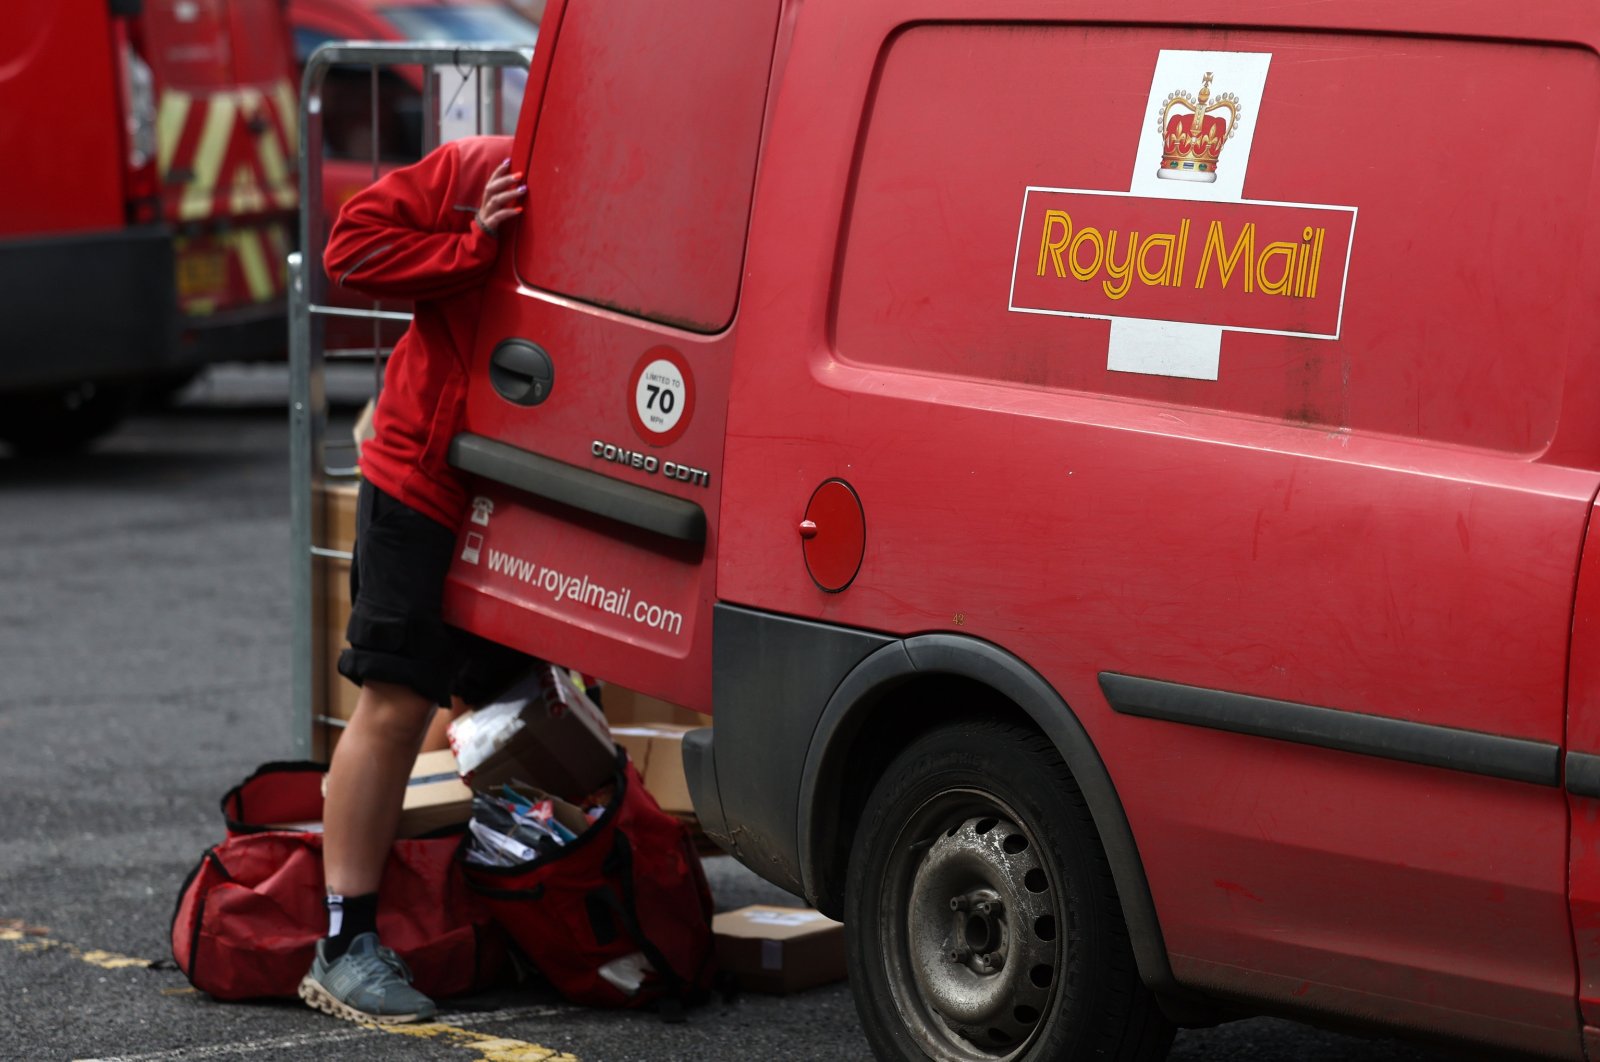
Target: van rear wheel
(982, 922)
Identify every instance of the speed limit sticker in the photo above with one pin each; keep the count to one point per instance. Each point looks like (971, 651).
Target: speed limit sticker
(661, 393)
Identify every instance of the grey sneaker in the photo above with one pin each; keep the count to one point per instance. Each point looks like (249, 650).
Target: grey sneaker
(367, 983)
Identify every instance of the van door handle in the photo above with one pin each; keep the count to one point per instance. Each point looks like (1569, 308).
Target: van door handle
(521, 372)
(579, 488)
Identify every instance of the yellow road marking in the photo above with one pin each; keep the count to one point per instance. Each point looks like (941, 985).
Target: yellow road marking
(325, 1040)
(489, 1048)
(29, 938)
(110, 960)
(26, 939)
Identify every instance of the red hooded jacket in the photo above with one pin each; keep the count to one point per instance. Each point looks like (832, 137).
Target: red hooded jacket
(412, 236)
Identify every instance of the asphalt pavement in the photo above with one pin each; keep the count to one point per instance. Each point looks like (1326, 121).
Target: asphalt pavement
(144, 669)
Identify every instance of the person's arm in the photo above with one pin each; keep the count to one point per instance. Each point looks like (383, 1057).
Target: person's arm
(398, 238)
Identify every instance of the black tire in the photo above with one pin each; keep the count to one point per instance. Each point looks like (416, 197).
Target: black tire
(159, 392)
(981, 919)
(65, 420)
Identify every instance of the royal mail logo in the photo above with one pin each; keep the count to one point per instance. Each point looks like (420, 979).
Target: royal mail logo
(1182, 257)
(1193, 142)
(1264, 267)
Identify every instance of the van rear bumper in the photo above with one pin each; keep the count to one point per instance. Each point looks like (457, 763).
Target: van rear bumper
(90, 306)
(772, 678)
(247, 333)
(700, 769)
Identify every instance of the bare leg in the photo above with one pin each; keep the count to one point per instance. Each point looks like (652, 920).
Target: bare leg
(366, 785)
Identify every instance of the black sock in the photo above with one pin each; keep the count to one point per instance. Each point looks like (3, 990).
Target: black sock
(348, 918)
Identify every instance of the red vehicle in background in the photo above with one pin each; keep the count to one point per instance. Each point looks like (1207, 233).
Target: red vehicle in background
(316, 22)
(148, 203)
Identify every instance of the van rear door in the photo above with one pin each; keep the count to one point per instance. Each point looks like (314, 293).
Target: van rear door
(594, 421)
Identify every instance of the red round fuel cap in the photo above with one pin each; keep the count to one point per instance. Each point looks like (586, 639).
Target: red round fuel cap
(834, 535)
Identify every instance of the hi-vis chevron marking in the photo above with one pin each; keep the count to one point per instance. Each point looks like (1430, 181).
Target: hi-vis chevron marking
(245, 265)
(253, 262)
(230, 168)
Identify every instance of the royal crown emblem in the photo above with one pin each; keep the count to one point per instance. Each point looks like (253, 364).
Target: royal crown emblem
(1192, 142)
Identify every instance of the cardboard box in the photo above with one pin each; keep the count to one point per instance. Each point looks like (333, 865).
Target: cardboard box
(546, 734)
(779, 949)
(625, 707)
(435, 796)
(339, 513)
(657, 752)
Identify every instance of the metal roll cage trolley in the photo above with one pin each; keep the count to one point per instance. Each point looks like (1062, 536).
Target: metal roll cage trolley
(474, 103)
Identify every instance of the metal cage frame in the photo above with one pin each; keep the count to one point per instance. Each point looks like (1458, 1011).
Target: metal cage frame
(309, 470)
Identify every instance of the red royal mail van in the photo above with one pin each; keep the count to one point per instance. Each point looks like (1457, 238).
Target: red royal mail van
(146, 199)
(1122, 483)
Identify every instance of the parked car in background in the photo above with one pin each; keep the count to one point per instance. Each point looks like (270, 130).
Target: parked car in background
(149, 203)
(355, 151)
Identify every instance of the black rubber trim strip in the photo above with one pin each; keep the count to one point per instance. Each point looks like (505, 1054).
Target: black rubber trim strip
(1514, 759)
(544, 477)
(1583, 774)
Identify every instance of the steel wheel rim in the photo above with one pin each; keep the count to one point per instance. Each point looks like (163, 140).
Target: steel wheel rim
(971, 929)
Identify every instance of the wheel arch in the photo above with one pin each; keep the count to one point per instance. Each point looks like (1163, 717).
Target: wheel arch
(854, 736)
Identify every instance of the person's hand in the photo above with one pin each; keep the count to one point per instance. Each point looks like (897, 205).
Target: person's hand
(501, 198)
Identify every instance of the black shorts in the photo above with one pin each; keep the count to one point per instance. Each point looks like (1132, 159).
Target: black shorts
(397, 631)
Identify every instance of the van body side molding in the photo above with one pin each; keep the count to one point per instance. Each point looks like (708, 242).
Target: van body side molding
(544, 477)
(1583, 774)
(1471, 751)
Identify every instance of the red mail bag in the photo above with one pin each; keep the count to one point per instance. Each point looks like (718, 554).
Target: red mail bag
(250, 914)
(629, 888)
